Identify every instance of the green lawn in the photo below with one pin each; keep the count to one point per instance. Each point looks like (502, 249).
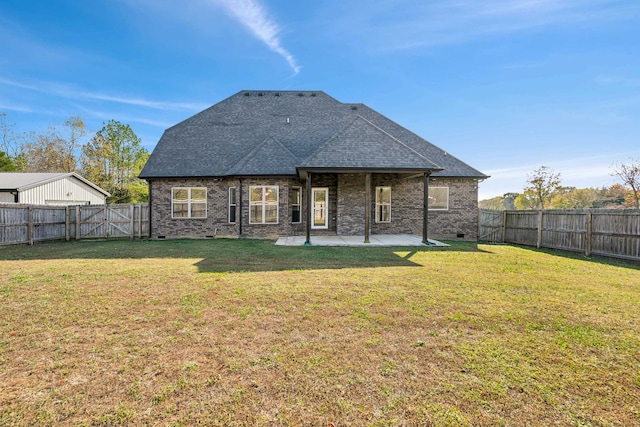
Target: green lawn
(227, 332)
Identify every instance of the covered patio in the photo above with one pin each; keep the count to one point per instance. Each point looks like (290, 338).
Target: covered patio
(374, 240)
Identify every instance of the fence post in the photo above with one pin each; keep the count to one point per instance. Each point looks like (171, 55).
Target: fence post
(503, 227)
(30, 224)
(78, 228)
(589, 234)
(539, 242)
(139, 221)
(131, 220)
(67, 231)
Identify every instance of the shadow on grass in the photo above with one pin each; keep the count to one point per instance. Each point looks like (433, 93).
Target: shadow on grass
(618, 262)
(232, 255)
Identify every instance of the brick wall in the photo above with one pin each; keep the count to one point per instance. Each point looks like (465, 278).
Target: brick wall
(351, 200)
(462, 216)
(216, 222)
(406, 205)
(346, 196)
(284, 226)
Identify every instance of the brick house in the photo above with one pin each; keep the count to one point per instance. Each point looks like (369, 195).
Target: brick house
(300, 163)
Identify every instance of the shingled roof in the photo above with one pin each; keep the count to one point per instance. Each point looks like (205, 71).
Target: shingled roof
(262, 133)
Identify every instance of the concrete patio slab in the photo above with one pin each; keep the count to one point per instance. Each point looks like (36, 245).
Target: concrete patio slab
(375, 240)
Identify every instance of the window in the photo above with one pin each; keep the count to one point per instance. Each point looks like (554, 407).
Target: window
(438, 198)
(232, 205)
(190, 202)
(295, 199)
(383, 204)
(263, 205)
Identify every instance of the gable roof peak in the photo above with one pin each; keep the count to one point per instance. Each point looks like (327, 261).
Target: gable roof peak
(363, 145)
(279, 160)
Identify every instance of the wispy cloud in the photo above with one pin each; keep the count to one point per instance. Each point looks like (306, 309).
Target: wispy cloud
(104, 115)
(70, 92)
(253, 16)
(141, 102)
(14, 107)
(415, 24)
(616, 80)
(21, 85)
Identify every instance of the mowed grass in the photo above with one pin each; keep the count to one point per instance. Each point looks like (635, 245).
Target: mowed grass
(244, 333)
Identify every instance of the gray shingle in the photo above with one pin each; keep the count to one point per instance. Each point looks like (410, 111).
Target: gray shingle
(269, 158)
(275, 132)
(362, 145)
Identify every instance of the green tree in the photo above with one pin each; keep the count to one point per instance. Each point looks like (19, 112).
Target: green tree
(542, 184)
(6, 163)
(526, 200)
(629, 173)
(112, 159)
(581, 198)
(500, 203)
(494, 204)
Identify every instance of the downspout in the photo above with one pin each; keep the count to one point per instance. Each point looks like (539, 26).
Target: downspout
(239, 205)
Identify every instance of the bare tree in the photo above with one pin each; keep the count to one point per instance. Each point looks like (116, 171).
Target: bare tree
(8, 140)
(629, 173)
(48, 152)
(54, 150)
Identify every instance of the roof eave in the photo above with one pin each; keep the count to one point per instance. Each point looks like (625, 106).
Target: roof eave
(479, 177)
(304, 170)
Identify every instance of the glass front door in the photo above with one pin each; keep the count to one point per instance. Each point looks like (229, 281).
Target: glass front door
(319, 216)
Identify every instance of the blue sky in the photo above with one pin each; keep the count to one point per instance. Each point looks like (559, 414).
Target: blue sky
(505, 85)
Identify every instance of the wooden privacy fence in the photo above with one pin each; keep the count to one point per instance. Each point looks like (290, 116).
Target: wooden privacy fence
(35, 223)
(613, 233)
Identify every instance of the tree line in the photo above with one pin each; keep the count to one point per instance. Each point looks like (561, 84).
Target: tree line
(544, 190)
(112, 158)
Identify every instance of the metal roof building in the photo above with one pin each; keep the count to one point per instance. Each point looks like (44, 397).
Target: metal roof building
(49, 189)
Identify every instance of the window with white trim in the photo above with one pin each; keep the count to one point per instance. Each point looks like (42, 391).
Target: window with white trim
(438, 198)
(188, 202)
(383, 204)
(232, 205)
(295, 199)
(263, 204)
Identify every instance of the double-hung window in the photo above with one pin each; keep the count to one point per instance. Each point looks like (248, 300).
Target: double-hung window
(438, 198)
(263, 204)
(188, 202)
(383, 204)
(295, 197)
(233, 206)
